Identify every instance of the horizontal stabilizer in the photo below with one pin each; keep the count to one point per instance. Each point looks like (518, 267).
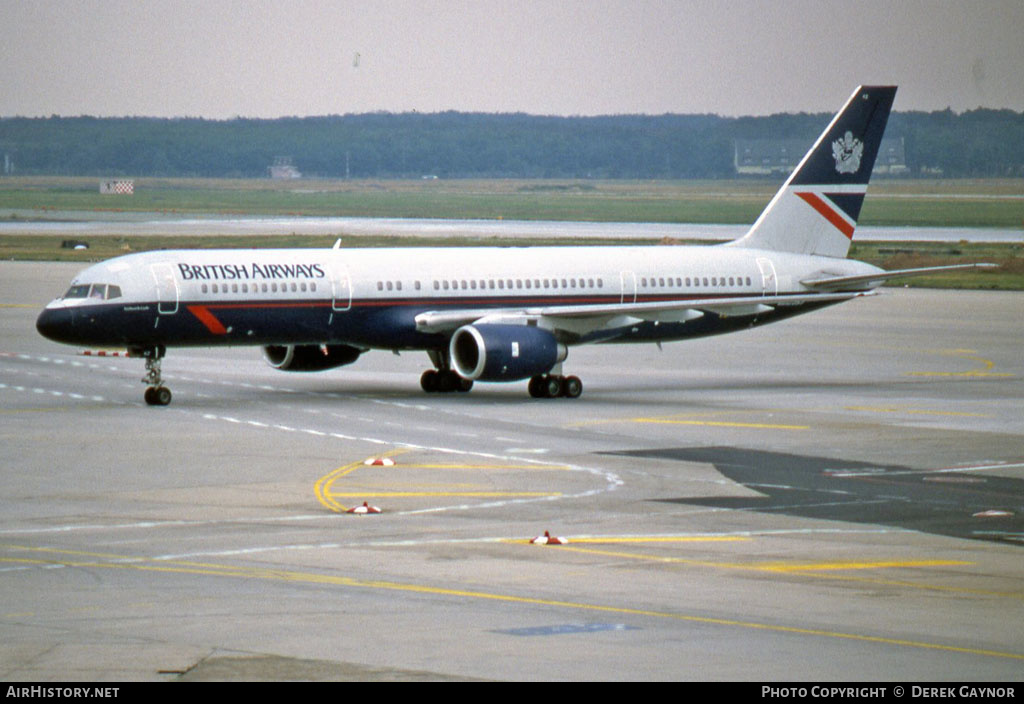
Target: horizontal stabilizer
(868, 281)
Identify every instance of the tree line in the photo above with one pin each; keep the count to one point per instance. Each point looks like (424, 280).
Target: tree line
(977, 143)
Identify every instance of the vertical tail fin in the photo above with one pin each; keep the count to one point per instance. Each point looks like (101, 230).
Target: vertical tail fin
(816, 210)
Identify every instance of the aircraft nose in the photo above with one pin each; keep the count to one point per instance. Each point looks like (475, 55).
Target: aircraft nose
(56, 324)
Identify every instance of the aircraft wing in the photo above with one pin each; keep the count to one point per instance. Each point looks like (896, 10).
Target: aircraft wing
(582, 317)
(837, 283)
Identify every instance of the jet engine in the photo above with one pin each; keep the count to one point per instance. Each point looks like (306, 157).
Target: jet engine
(504, 352)
(309, 358)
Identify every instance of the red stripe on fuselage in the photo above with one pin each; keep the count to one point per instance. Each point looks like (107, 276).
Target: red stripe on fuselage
(207, 318)
(828, 213)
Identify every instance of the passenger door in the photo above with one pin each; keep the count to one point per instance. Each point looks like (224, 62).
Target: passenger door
(769, 281)
(167, 293)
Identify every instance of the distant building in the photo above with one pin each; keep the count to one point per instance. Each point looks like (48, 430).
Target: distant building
(780, 156)
(891, 157)
(119, 187)
(283, 168)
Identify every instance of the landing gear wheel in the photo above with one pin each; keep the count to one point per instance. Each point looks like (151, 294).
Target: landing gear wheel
(444, 381)
(552, 386)
(157, 395)
(534, 387)
(572, 387)
(555, 386)
(429, 381)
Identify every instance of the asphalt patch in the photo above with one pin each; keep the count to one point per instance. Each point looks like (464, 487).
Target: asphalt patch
(944, 503)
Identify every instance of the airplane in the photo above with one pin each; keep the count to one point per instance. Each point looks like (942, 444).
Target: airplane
(494, 314)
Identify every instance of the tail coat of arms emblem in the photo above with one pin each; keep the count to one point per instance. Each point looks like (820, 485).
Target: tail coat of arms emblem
(847, 151)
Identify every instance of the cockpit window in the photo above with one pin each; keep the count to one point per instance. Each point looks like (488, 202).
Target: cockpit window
(79, 291)
(101, 292)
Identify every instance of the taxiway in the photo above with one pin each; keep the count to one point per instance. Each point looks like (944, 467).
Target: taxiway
(836, 497)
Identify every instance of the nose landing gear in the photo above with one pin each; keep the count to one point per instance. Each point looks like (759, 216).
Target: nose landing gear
(156, 393)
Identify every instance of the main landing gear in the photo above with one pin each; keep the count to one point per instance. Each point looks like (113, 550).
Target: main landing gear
(555, 386)
(156, 393)
(443, 379)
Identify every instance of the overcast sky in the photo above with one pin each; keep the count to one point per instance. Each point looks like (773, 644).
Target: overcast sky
(250, 58)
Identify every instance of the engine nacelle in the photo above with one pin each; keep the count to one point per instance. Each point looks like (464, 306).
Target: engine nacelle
(504, 352)
(309, 358)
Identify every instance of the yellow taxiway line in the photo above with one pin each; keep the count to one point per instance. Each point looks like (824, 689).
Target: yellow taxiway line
(688, 419)
(126, 562)
(327, 497)
(985, 371)
(822, 570)
(406, 494)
